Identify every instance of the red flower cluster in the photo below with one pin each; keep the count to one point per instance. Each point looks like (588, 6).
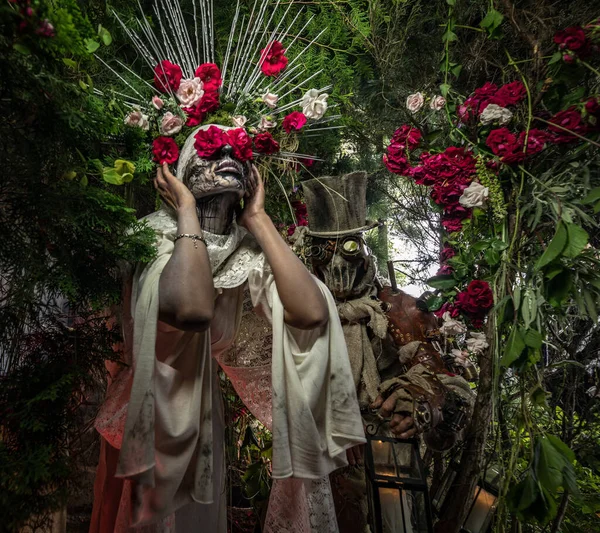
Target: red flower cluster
(449, 173)
(294, 121)
(404, 139)
(210, 75)
(567, 121)
(265, 143)
(573, 42)
(474, 302)
(165, 150)
(167, 76)
(30, 21)
(209, 142)
(511, 149)
(510, 94)
(272, 59)
(301, 216)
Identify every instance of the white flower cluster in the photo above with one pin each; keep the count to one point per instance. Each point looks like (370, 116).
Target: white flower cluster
(494, 113)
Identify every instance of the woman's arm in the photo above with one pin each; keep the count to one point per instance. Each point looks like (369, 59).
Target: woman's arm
(304, 304)
(186, 291)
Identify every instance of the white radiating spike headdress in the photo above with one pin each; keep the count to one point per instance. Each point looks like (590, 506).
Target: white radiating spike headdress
(261, 88)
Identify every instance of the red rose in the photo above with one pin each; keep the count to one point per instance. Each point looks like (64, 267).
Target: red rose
(447, 253)
(167, 76)
(447, 194)
(265, 144)
(194, 115)
(444, 270)
(210, 75)
(572, 38)
(509, 94)
(209, 102)
(447, 308)
(396, 164)
(407, 136)
(569, 120)
(165, 150)
(476, 300)
(487, 90)
(209, 142)
(535, 141)
(272, 59)
(462, 160)
(452, 218)
(294, 121)
(421, 176)
(241, 143)
(513, 154)
(301, 212)
(592, 106)
(501, 141)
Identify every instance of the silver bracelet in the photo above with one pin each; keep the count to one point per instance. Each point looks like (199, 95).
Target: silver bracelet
(195, 237)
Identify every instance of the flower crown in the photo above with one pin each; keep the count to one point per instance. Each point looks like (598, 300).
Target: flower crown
(186, 96)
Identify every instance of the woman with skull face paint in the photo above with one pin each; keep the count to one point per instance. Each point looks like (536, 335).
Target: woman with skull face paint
(162, 423)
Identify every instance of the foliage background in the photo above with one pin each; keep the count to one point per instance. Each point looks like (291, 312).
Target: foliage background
(63, 230)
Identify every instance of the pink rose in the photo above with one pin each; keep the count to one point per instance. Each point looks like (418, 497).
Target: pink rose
(414, 102)
(437, 102)
(137, 119)
(170, 124)
(190, 92)
(157, 103)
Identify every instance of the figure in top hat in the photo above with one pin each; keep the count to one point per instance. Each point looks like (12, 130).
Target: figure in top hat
(397, 370)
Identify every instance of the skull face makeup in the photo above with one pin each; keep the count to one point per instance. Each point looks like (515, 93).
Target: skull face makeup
(208, 177)
(217, 184)
(345, 265)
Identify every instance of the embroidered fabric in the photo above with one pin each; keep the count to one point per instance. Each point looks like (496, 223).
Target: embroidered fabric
(301, 506)
(232, 255)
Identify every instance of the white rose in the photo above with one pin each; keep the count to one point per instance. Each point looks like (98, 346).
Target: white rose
(190, 92)
(170, 124)
(477, 343)
(437, 102)
(451, 326)
(414, 102)
(270, 100)
(157, 103)
(475, 195)
(137, 119)
(266, 123)
(460, 357)
(239, 120)
(495, 113)
(314, 104)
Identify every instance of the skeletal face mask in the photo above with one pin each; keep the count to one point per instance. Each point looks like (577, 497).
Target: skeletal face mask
(223, 174)
(345, 265)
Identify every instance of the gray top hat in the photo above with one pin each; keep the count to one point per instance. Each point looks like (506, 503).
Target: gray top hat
(337, 205)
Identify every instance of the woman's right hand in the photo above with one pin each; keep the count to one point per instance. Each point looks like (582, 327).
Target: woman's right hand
(173, 191)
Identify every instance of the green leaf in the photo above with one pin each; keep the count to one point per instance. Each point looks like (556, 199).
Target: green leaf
(451, 2)
(517, 297)
(456, 70)
(576, 242)
(522, 495)
(558, 288)
(84, 181)
(122, 166)
(91, 46)
(104, 35)
(110, 175)
(22, 49)
(499, 245)
(492, 257)
(590, 305)
(529, 306)
(556, 246)
(69, 62)
(539, 396)
(556, 57)
(434, 303)
(449, 36)
(514, 348)
(492, 20)
(83, 85)
(592, 196)
(481, 245)
(445, 281)
(533, 339)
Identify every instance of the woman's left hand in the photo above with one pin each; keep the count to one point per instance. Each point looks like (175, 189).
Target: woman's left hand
(254, 202)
